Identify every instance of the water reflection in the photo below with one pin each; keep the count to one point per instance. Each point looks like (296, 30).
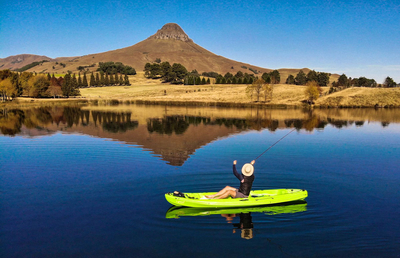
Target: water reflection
(245, 224)
(174, 133)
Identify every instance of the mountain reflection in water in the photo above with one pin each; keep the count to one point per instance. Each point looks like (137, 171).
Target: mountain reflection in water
(176, 133)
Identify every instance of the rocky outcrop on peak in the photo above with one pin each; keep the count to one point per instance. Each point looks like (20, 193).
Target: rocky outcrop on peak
(171, 31)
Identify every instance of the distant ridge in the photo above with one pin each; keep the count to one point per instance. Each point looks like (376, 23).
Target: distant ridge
(19, 61)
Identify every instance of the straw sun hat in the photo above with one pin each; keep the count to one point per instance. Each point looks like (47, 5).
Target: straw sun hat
(247, 169)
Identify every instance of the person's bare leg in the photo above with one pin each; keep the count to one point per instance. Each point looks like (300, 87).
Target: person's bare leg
(226, 194)
(227, 188)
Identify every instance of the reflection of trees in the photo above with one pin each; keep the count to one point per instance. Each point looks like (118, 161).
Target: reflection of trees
(169, 124)
(11, 121)
(115, 127)
(338, 123)
(37, 117)
(72, 115)
(114, 122)
(359, 123)
(259, 124)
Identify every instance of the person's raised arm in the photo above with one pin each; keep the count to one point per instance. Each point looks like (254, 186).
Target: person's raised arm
(237, 175)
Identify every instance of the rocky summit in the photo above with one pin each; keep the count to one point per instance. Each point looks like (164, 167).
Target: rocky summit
(171, 31)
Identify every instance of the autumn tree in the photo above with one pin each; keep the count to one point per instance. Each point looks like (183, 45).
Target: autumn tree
(257, 87)
(6, 89)
(312, 91)
(250, 91)
(39, 86)
(268, 90)
(54, 88)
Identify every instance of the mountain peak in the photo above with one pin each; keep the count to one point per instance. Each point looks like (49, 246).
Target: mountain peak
(171, 31)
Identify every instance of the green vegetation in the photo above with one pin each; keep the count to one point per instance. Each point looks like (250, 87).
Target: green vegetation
(113, 68)
(228, 78)
(29, 66)
(174, 74)
(82, 68)
(273, 77)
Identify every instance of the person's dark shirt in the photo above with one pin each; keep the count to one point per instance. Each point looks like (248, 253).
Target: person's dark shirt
(244, 187)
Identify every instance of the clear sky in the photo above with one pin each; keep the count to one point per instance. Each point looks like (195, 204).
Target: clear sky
(358, 38)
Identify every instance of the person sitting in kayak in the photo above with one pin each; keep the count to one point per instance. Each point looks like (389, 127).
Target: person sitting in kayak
(246, 179)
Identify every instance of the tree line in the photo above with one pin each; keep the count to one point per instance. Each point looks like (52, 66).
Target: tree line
(302, 79)
(15, 84)
(101, 79)
(343, 82)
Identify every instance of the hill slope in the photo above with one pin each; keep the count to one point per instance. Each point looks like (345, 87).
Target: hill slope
(18, 61)
(171, 44)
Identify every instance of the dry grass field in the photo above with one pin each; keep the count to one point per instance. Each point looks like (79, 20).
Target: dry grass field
(144, 90)
(287, 95)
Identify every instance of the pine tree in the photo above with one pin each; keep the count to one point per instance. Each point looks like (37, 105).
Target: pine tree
(84, 81)
(301, 78)
(121, 80)
(92, 80)
(208, 81)
(102, 80)
(97, 80)
(66, 85)
(80, 81)
(203, 81)
(74, 86)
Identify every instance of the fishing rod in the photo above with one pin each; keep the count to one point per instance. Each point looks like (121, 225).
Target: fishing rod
(275, 143)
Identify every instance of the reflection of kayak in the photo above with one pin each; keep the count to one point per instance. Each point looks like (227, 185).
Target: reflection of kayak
(293, 207)
(256, 198)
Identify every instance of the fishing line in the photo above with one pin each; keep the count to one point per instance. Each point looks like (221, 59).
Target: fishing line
(275, 143)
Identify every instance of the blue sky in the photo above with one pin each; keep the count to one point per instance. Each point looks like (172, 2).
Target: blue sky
(358, 38)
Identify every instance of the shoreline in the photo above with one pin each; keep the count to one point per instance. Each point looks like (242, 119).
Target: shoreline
(22, 102)
(284, 97)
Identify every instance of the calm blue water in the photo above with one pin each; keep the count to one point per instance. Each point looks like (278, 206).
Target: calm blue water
(75, 194)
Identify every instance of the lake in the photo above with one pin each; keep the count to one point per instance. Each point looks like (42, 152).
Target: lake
(89, 181)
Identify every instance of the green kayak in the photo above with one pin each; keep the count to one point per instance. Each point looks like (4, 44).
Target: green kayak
(293, 207)
(256, 198)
